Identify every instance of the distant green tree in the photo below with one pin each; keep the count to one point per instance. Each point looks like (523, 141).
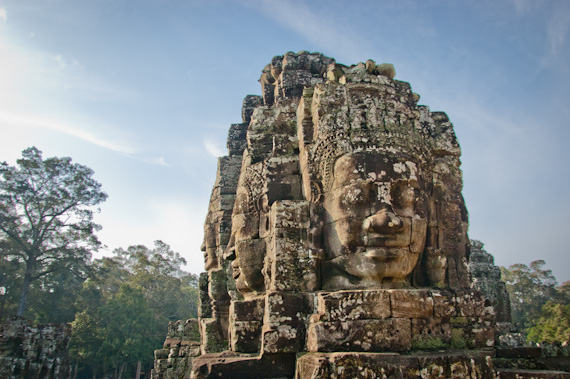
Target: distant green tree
(129, 329)
(529, 287)
(563, 292)
(46, 216)
(52, 297)
(126, 304)
(170, 291)
(116, 331)
(553, 324)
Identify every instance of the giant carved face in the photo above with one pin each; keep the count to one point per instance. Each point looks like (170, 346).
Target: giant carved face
(375, 222)
(209, 247)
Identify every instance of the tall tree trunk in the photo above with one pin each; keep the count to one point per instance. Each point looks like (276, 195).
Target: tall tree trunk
(25, 288)
(121, 370)
(138, 375)
(2, 305)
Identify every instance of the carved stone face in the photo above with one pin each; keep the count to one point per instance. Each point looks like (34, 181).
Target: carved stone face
(249, 248)
(209, 248)
(375, 222)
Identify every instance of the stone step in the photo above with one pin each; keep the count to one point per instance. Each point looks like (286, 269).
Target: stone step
(531, 374)
(518, 351)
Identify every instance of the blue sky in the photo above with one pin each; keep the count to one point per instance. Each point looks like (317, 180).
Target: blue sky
(144, 92)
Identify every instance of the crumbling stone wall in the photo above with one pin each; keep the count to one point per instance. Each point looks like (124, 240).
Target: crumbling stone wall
(30, 351)
(486, 277)
(182, 343)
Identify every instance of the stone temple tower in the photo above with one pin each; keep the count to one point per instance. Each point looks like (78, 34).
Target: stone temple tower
(336, 237)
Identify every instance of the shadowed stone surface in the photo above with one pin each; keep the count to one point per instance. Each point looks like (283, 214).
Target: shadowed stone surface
(31, 351)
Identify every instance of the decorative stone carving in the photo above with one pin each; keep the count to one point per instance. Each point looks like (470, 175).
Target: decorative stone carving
(336, 237)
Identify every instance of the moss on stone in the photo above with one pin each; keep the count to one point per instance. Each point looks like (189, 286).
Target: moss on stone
(431, 343)
(457, 339)
(458, 321)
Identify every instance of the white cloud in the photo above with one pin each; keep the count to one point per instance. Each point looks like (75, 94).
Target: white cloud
(64, 63)
(60, 61)
(3, 14)
(214, 148)
(160, 161)
(18, 120)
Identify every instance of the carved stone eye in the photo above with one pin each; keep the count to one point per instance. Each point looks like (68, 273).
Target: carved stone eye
(404, 194)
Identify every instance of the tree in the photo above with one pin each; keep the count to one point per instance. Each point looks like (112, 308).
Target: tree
(170, 291)
(46, 216)
(529, 287)
(553, 324)
(126, 304)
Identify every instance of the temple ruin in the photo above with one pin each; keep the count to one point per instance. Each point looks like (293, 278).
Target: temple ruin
(336, 239)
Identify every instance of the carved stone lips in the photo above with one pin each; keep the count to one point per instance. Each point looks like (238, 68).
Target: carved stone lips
(385, 240)
(385, 254)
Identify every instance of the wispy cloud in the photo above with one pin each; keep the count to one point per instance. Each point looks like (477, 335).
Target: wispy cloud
(3, 14)
(66, 64)
(557, 31)
(214, 148)
(315, 27)
(522, 6)
(19, 120)
(160, 161)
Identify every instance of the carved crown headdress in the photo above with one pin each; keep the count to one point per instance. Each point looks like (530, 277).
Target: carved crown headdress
(369, 117)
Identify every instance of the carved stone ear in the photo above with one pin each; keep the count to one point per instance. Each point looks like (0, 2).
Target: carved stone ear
(316, 191)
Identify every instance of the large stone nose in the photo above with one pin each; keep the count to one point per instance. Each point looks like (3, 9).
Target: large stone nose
(385, 221)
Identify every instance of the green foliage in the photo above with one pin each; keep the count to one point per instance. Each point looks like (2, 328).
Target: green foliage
(171, 292)
(457, 339)
(46, 220)
(529, 288)
(539, 307)
(126, 304)
(120, 306)
(553, 324)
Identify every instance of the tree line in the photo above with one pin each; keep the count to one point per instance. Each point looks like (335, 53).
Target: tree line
(119, 306)
(539, 306)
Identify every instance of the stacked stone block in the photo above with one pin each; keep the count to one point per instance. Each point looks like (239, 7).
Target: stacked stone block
(182, 343)
(33, 351)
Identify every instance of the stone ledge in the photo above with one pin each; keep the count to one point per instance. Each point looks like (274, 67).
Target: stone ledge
(452, 364)
(243, 366)
(531, 374)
